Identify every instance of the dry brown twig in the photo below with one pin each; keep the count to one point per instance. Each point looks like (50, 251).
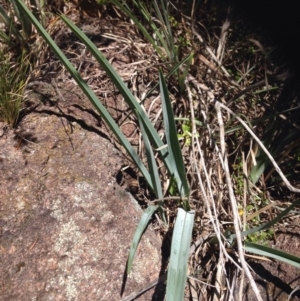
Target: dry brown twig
(211, 53)
(208, 200)
(237, 225)
(222, 40)
(277, 168)
(236, 220)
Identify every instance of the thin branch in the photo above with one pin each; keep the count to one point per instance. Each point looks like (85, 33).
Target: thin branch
(277, 168)
(214, 220)
(236, 220)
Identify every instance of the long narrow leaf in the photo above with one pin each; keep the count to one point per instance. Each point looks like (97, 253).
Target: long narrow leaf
(172, 71)
(181, 240)
(89, 93)
(10, 25)
(25, 21)
(275, 147)
(270, 223)
(272, 253)
(138, 234)
(129, 98)
(184, 74)
(172, 140)
(4, 37)
(147, 15)
(127, 11)
(167, 38)
(153, 169)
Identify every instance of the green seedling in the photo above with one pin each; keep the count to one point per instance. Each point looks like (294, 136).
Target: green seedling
(186, 135)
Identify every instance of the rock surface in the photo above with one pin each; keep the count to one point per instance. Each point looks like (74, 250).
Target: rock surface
(65, 225)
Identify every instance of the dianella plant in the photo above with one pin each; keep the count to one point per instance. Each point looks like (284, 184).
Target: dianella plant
(158, 32)
(169, 152)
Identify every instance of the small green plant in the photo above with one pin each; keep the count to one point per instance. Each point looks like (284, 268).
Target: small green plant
(171, 157)
(12, 85)
(11, 16)
(186, 133)
(160, 34)
(261, 237)
(15, 54)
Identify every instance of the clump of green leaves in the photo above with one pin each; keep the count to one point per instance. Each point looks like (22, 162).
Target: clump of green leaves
(15, 52)
(159, 34)
(171, 157)
(186, 133)
(12, 85)
(261, 237)
(17, 26)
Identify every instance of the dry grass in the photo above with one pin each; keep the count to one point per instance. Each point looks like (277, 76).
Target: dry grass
(12, 85)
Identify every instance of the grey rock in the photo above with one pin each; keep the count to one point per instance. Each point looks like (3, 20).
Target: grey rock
(65, 225)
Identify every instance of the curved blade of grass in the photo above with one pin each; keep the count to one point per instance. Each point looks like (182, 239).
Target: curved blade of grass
(89, 93)
(272, 253)
(172, 71)
(148, 16)
(177, 165)
(153, 169)
(182, 77)
(169, 34)
(5, 38)
(129, 98)
(275, 147)
(167, 38)
(138, 234)
(163, 39)
(197, 122)
(25, 21)
(181, 240)
(10, 25)
(270, 223)
(127, 11)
